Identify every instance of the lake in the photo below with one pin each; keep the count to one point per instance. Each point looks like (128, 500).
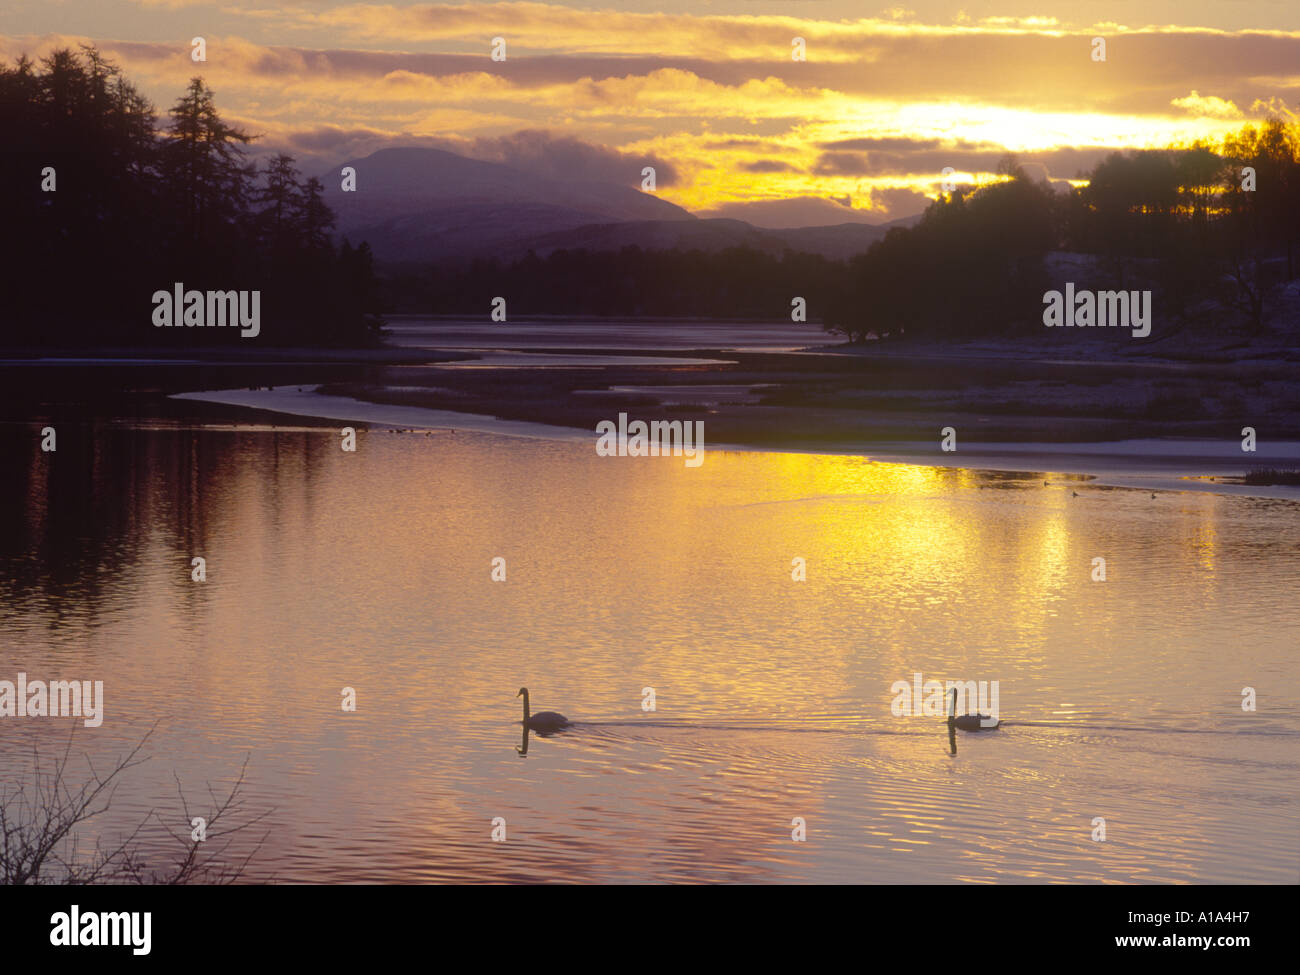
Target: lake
(373, 570)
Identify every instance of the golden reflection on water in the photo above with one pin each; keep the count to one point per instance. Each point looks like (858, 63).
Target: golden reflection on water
(372, 570)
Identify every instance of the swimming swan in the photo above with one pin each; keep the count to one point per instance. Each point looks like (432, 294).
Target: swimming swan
(543, 722)
(967, 722)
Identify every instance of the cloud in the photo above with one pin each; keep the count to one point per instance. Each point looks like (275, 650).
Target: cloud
(1037, 73)
(331, 143)
(768, 166)
(534, 27)
(1040, 62)
(804, 211)
(896, 202)
(929, 156)
(843, 164)
(1207, 106)
(888, 143)
(564, 157)
(1275, 107)
(928, 160)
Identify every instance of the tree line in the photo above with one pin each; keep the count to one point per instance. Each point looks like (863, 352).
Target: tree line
(737, 282)
(1215, 224)
(103, 206)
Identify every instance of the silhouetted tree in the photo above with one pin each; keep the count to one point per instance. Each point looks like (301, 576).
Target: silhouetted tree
(101, 210)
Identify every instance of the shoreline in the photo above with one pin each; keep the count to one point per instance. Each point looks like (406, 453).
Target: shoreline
(1161, 465)
(895, 397)
(1084, 412)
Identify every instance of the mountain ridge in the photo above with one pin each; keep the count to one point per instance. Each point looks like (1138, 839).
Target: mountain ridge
(415, 204)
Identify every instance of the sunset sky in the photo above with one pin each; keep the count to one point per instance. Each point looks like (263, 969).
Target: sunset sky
(707, 91)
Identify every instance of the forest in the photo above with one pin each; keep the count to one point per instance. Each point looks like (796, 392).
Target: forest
(103, 206)
(1202, 226)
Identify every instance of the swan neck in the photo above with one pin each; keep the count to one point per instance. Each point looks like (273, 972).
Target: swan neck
(525, 705)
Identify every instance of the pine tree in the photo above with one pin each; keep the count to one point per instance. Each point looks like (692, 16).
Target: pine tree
(205, 164)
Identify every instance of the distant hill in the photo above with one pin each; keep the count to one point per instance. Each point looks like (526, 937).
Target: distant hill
(418, 205)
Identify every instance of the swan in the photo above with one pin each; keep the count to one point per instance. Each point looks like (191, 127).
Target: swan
(543, 722)
(967, 722)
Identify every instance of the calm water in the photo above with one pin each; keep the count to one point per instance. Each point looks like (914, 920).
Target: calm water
(372, 570)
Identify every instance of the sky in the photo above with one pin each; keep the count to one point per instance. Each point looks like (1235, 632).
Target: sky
(707, 91)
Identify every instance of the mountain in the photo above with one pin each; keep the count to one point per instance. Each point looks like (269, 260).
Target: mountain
(420, 205)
